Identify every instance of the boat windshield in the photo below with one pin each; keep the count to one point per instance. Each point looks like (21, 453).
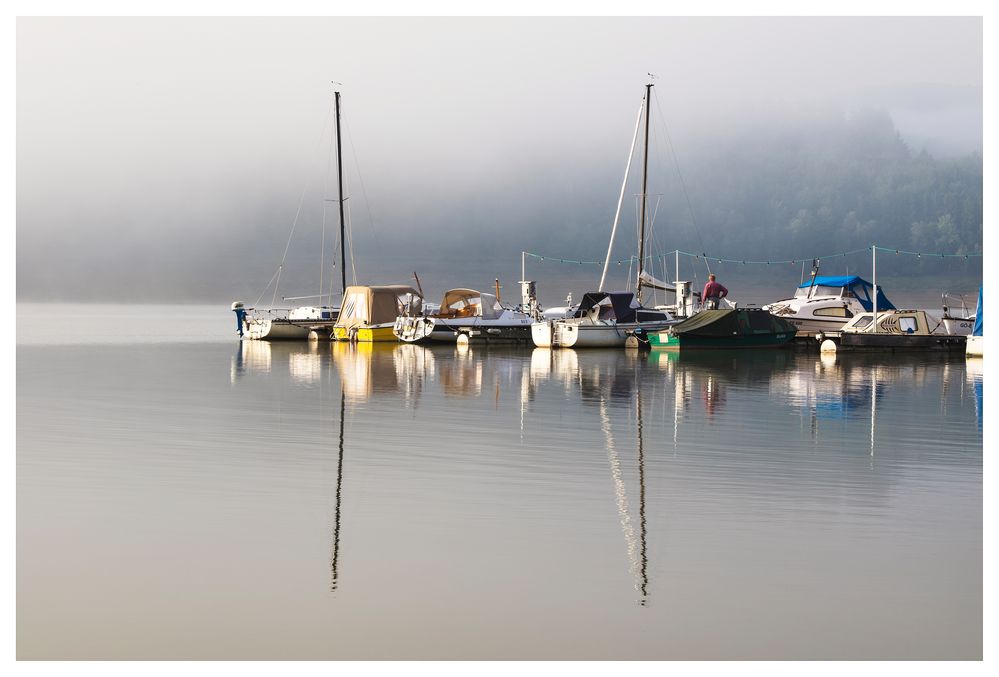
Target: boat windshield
(862, 321)
(817, 290)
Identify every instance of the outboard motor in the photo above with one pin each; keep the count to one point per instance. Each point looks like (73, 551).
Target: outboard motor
(237, 307)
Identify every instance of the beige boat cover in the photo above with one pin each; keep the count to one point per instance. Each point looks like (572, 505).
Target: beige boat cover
(368, 306)
(459, 303)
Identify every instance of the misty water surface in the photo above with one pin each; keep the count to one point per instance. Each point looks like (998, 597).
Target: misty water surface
(183, 495)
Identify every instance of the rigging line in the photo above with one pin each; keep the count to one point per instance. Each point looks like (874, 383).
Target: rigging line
(655, 245)
(683, 184)
(294, 223)
(360, 180)
(350, 245)
(301, 200)
(266, 288)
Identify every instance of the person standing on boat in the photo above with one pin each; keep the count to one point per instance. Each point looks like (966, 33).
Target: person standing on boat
(713, 293)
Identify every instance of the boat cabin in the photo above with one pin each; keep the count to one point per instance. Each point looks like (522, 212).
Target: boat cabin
(369, 306)
(459, 303)
(907, 322)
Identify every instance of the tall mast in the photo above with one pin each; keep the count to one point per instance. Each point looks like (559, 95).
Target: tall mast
(339, 186)
(645, 187)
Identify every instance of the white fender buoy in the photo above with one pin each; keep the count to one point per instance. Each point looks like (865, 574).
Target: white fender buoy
(828, 346)
(462, 339)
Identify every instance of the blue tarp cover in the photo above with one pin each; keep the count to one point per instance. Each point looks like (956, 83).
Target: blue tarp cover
(977, 331)
(859, 286)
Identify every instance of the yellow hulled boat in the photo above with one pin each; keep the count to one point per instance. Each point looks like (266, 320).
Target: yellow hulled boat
(368, 313)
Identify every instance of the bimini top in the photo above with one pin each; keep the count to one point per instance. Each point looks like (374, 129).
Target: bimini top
(376, 305)
(859, 287)
(459, 303)
(622, 304)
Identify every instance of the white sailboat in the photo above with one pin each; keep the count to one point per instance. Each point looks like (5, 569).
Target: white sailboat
(607, 319)
(302, 322)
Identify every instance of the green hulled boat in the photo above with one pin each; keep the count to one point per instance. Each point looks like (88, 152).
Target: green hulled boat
(726, 329)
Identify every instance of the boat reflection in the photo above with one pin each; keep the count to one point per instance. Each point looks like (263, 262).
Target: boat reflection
(975, 377)
(335, 557)
(251, 356)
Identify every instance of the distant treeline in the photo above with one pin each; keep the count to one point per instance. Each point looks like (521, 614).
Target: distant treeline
(805, 191)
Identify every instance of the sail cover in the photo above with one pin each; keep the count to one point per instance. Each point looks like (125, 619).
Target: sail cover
(655, 283)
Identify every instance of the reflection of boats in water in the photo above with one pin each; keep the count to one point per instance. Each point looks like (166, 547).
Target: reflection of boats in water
(725, 329)
(478, 316)
(365, 369)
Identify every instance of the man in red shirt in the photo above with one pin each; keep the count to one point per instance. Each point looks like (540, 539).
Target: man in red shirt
(713, 292)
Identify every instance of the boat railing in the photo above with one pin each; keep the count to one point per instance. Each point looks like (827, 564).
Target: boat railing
(950, 300)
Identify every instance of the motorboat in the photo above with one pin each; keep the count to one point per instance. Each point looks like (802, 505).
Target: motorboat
(726, 329)
(893, 330)
(827, 303)
(369, 312)
(465, 315)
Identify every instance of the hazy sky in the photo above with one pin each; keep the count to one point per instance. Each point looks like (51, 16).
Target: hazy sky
(150, 152)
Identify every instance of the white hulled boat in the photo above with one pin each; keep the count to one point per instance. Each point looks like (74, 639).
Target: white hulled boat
(466, 312)
(603, 320)
(826, 303)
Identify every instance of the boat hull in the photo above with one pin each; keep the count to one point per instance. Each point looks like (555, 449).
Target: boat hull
(436, 330)
(726, 329)
(275, 330)
(975, 346)
(666, 341)
(901, 342)
(589, 335)
(365, 334)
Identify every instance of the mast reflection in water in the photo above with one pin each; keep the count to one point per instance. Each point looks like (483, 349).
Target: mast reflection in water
(479, 520)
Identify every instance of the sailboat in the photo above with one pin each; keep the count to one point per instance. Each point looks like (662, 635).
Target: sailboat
(304, 321)
(606, 319)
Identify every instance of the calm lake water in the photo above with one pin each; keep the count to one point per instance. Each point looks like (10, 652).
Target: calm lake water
(181, 495)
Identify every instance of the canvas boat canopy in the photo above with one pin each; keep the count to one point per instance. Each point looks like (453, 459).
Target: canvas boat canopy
(727, 323)
(977, 331)
(469, 303)
(851, 285)
(620, 308)
(377, 305)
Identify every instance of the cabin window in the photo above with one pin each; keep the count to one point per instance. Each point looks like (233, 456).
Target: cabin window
(832, 312)
(864, 321)
(907, 325)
